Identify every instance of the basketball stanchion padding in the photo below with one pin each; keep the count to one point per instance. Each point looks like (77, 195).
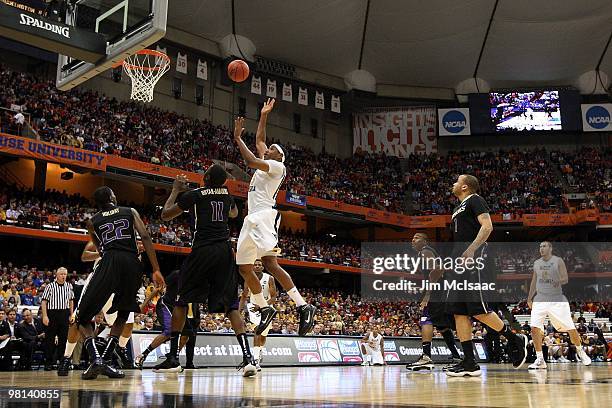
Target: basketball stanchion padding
(145, 68)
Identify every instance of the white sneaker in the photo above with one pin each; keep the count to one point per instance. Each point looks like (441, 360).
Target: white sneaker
(538, 364)
(365, 363)
(423, 363)
(584, 358)
(562, 359)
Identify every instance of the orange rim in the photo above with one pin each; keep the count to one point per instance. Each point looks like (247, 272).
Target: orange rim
(146, 51)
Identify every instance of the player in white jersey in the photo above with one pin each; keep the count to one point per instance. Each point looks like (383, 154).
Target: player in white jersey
(372, 347)
(91, 254)
(259, 234)
(546, 299)
(268, 288)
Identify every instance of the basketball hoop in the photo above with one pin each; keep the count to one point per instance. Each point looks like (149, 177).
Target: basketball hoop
(145, 68)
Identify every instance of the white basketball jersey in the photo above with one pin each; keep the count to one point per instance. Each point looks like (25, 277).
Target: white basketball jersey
(265, 288)
(548, 282)
(265, 186)
(374, 341)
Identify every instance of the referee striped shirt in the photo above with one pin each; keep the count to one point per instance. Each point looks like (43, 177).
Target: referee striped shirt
(58, 296)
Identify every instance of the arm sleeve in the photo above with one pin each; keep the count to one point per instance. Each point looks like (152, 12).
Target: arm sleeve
(45, 295)
(186, 200)
(276, 168)
(479, 205)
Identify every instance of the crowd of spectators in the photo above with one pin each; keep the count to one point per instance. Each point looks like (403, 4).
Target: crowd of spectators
(512, 181)
(588, 170)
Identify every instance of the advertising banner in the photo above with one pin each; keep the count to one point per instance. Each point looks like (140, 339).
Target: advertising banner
(454, 122)
(596, 117)
(221, 350)
(35, 149)
(395, 131)
(296, 199)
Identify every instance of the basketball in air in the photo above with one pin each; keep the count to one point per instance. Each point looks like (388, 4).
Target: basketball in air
(238, 70)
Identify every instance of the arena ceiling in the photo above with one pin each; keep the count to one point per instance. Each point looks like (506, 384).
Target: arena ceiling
(434, 43)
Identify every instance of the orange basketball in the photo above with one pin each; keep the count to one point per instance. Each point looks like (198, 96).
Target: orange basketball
(238, 70)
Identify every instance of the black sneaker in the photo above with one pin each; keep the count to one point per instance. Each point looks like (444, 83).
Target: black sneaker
(464, 369)
(453, 362)
(267, 314)
(93, 370)
(139, 361)
(248, 367)
(124, 358)
(169, 365)
(64, 367)
(189, 367)
(48, 367)
(518, 351)
(307, 314)
(111, 372)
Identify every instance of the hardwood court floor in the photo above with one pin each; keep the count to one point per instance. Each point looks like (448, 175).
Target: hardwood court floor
(562, 385)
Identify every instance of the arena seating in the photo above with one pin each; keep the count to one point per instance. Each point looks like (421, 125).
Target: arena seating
(519, 181)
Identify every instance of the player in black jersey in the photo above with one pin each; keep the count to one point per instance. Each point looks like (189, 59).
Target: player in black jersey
(471, 226)
(432, 307)
(163, 310)
(113, 231)
(209, 272)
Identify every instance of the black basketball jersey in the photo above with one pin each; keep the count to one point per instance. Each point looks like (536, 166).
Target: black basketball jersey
(465, 225)
(210, 209)
(426, 270)
(114, 229)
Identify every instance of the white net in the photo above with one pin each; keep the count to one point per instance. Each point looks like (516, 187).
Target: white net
(145, 68)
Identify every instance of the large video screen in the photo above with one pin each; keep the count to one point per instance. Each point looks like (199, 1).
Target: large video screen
(518, 111)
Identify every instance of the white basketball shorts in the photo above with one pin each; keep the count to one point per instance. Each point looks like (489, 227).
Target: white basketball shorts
(258, 236)
(558, 312)
(377, 355)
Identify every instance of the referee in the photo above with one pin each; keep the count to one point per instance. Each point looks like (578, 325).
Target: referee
(57, 307)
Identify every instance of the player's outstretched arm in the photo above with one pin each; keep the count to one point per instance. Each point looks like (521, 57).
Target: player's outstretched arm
(251, 160)
(157, 277)
(90, 252)
(171, 209)
(260, 138)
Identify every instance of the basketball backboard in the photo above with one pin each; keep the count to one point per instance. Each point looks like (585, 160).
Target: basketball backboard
(127, 25)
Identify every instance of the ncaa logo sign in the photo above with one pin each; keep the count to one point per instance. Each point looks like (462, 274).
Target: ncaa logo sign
(597, 117)
(454, 121)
